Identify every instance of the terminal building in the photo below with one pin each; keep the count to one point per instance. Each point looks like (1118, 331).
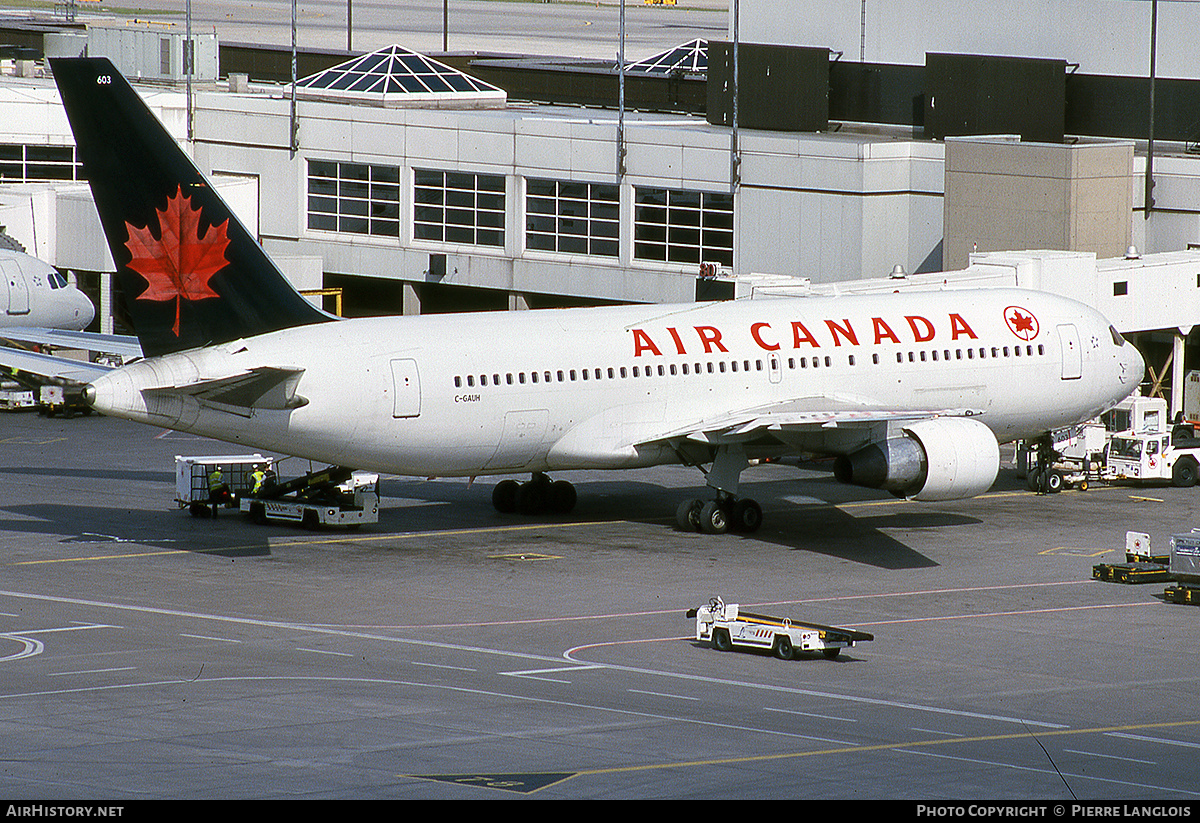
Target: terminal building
(869, 141)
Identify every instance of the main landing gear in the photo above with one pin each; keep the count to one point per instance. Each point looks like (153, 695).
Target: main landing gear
(727, 512)
(537, 495)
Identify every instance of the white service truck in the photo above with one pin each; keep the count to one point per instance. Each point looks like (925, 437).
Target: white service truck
(15, 397)
(1152, 450)
(334, 496)
(1133, 441)
(727, 627)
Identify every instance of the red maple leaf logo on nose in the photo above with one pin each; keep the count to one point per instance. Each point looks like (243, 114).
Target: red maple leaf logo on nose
(1021, 322)
(179, 263)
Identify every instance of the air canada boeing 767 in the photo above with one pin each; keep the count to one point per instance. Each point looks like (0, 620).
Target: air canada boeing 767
(911, 392)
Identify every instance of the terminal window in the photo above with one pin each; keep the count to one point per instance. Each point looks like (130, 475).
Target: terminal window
(354, 197)
(458, 207)
(19, 163)
(573, 218)
(677, 226)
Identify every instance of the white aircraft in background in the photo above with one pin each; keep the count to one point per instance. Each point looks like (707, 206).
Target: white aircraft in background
(913, 392)
(38, 305)
(36, 295)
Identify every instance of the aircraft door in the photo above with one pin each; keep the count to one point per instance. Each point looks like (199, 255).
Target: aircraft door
(1072, 356)
(17, 288)
(406, 388)
(776, 368)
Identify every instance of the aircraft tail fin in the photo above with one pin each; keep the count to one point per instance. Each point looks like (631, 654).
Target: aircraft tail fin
(191, 273)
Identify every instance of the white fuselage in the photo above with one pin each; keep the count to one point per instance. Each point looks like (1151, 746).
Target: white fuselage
(34, 294)
(493, 393)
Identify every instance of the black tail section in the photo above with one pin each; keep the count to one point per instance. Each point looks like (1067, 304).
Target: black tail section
(191, 273)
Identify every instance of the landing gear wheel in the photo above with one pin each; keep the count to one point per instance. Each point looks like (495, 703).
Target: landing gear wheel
(1055, 482)
(783, 647)
(687, 516)
(713, 518)
(504, 496)
(562, 497)
(747, 516)
(531, 497)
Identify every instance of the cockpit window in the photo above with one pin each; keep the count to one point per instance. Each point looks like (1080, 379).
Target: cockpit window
(57, 281)
(1116, 336)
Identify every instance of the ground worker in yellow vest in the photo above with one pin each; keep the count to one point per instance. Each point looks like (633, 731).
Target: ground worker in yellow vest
(218, 491)
(259, 477)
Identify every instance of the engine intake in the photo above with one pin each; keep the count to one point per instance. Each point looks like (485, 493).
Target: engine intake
(946, 458)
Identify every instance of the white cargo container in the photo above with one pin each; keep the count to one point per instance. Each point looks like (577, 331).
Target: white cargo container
(192, 473)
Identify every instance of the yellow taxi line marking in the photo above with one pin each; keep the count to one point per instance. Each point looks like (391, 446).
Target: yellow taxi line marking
(96, 557)
(991, 738)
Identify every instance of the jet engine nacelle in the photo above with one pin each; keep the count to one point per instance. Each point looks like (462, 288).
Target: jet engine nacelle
(947, 458)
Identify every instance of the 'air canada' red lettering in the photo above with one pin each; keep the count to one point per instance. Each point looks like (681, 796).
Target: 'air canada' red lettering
(800, 334)
(642, 342)
(711, 338)
(678, 343)
(845, 331)
(755, 330)
(883, 330)
(959, 326)
(922, 334)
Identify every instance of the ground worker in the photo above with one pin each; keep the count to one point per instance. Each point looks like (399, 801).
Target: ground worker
(218, 491)
(259, 476)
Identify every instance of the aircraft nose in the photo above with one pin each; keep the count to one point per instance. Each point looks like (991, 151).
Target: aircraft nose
(1134, 365)
(85, 312)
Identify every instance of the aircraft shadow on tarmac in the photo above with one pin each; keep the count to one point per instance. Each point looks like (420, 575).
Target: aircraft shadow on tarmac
(814, 525)
(125, 476)
(167, 530)
(802, 515)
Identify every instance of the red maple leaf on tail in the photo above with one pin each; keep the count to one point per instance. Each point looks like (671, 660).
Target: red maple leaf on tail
(179, 265)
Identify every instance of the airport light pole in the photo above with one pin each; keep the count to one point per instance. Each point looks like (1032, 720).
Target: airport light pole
(735, 158)
(187, 67)
(621, 99)
(1150, 131)
(294, 139)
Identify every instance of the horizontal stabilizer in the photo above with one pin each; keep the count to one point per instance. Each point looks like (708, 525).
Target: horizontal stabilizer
(51, 368)
(265, 387)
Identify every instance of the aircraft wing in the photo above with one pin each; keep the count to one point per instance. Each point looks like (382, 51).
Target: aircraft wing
(809, 413)
(125, 345)
(49, 367)
(820, 424)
